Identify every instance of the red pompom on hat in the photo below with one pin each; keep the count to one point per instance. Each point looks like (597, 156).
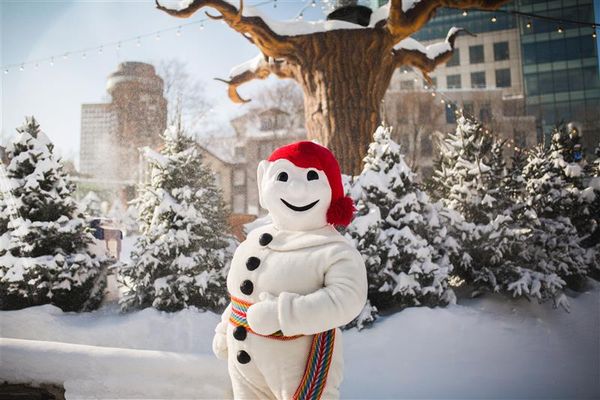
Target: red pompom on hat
(311, 155)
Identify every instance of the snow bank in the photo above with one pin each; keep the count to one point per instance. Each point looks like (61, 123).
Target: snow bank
(183, 332)
(484, 348)
(106, 372)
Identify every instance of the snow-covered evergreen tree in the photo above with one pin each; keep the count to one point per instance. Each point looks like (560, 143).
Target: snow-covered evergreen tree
(125, 218)
(553, 242)
(44, 240)
(592, 195)
(468, 185)
(398, 231)
(91, 205)
(180, 259)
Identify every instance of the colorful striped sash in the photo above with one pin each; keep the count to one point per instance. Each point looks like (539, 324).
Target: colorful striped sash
(238, 318)
(318, 361)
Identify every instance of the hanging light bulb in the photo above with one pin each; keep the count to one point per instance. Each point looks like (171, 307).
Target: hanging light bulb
(594, 34)
(22, 68)
(84, 56)
(65, 56)
(442, 101)
(494, 19)
(157, 37)
(449, 105)
(5, 71)
(178, 33)
(52, 62)
(101, 50)
(432, 94)
(201, 26)
(119, 46)
(313, 4)
(301, 16)
(560, 29)
(138, 42)
(274, 3)
(465, 13)
(36, 66)
(528, 25)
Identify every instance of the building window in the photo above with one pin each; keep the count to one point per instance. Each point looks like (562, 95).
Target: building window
(503, 78)
(478, 80)
(453, 82)
(407, 85)
(468, 108)
(455, 60)
(485, 113)
(501, 51)
(450, 114)
(476, 54)
(519, 139)
(239, 203)
(218, 179)
(239, 177)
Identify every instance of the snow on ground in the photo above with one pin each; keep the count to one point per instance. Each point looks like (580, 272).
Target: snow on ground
(482, 348)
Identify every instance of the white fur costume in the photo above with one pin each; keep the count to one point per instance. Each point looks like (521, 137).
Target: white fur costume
(308, 279)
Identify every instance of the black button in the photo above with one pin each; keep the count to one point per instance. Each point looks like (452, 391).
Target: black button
(247, 287)
(243, 357)
(240, 333)
(252, 263)
(265, 239)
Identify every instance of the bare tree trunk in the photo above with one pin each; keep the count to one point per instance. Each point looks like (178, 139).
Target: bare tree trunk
(343, 94)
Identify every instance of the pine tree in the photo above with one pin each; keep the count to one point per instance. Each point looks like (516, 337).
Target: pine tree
(470, 181)
(181, 256)
(560, 179)
(398, 231)
(90, 205)
(592, 196)
(553, 242)
(45, 252)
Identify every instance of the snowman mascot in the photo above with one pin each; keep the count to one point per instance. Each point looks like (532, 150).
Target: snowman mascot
(292, 283)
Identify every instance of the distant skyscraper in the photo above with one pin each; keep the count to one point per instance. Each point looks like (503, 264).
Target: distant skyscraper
(111, 133)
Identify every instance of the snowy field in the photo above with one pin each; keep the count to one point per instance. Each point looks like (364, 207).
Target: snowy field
(483, 348)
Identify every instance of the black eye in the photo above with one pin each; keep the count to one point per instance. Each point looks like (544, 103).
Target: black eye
(283, 177)
(312, 175)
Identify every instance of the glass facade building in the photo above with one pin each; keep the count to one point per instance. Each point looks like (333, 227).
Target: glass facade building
(560, 66)
(561, 72)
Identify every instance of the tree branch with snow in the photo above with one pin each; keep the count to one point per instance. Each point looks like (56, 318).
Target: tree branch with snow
(426, 58)
(245, 20)
(259, 67)
(409, 16)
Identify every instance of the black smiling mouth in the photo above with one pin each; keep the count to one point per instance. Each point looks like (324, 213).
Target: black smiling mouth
(301, 208)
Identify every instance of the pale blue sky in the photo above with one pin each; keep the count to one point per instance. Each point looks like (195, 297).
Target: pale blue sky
(34, 29)
(37, 29)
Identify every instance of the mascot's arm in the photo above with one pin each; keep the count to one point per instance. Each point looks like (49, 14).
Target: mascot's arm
(340, 300)
(219, 344)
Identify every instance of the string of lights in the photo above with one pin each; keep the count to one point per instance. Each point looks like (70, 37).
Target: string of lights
(115, 45)
(325, 5)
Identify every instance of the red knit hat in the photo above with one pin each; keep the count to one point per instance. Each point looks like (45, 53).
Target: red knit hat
(311, 155)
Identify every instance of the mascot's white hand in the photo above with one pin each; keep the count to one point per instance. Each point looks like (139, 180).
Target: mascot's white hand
(262, 316)
(219, 346)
